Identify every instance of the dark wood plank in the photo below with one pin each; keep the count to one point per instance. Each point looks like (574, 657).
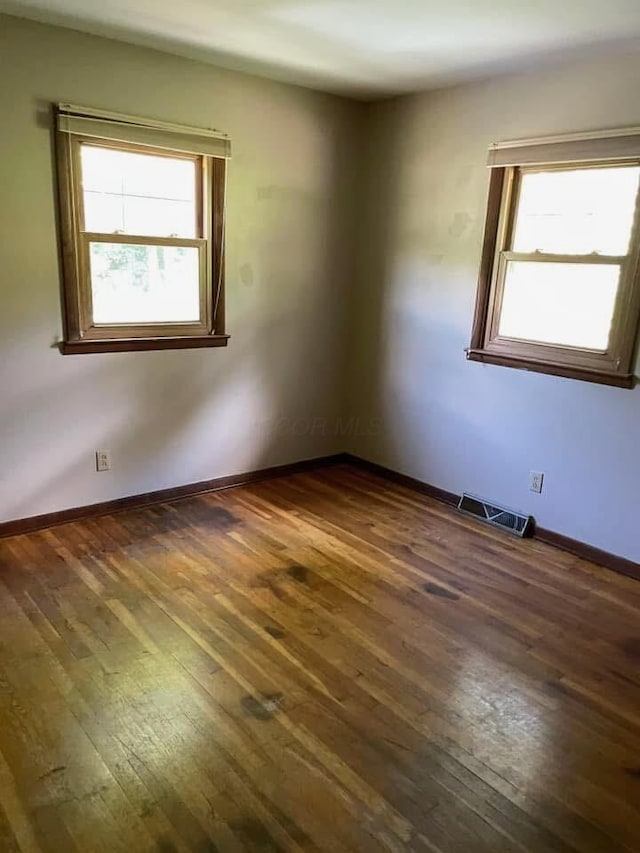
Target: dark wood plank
(50, 519)
(326, 661)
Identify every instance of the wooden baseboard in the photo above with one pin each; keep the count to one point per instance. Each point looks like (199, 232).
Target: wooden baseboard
(40, 522)
(589, 552)
(579, 549)
(51, 519)
(404, 480)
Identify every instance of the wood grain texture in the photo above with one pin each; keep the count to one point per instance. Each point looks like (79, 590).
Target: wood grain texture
(141, 344)
(589, 552)
(600, 377)
(77, 513)
(558, 540)
(489, 243)
(327, 661)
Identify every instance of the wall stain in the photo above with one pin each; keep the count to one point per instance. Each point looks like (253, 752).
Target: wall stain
(265, 193)
(246, 275)
(464, 175)
(460, 224)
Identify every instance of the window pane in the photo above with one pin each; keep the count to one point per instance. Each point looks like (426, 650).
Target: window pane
(133, 193)
(144, 284)
(576, 211)
(564, 304)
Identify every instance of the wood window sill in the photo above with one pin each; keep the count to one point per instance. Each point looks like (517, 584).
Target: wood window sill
(141, 344)
(618, 380)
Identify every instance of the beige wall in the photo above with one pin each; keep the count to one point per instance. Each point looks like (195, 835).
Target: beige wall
(182, 416)
(461, 425)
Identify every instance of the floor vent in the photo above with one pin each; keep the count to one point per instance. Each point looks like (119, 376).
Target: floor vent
(506, 519)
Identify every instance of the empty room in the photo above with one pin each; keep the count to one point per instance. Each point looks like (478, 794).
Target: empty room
(320, 426)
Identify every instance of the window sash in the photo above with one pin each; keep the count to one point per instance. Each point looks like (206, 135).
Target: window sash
(202, 175)
(76, 242)
(568, 351)
(146, 329)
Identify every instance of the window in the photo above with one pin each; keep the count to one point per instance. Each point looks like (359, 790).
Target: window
(142, 232)
(559, 289)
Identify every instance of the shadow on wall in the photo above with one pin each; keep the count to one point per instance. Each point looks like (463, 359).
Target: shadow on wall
(365, 395)
(161, 418)
(404, 270)
(419, 250)
(454, 423)
(176, 417)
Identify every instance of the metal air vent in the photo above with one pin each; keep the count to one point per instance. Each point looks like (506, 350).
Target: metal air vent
(507, 519)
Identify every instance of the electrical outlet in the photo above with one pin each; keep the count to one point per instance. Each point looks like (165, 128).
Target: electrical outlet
(103, 460)
(536, 479)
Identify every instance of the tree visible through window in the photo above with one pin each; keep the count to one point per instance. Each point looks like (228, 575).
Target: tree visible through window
(144, 284)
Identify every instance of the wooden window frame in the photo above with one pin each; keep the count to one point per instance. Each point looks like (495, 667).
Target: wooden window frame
(612, 367)
(81, 334)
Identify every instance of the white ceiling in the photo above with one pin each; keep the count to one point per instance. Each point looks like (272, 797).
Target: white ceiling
(363, 48)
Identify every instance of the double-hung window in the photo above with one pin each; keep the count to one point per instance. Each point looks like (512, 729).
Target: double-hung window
(142, 208)
(559, 285)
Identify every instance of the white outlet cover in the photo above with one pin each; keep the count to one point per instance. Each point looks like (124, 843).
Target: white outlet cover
(103, 460)
(536, 481)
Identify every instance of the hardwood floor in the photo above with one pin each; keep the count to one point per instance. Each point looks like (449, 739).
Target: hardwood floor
(321, 662)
